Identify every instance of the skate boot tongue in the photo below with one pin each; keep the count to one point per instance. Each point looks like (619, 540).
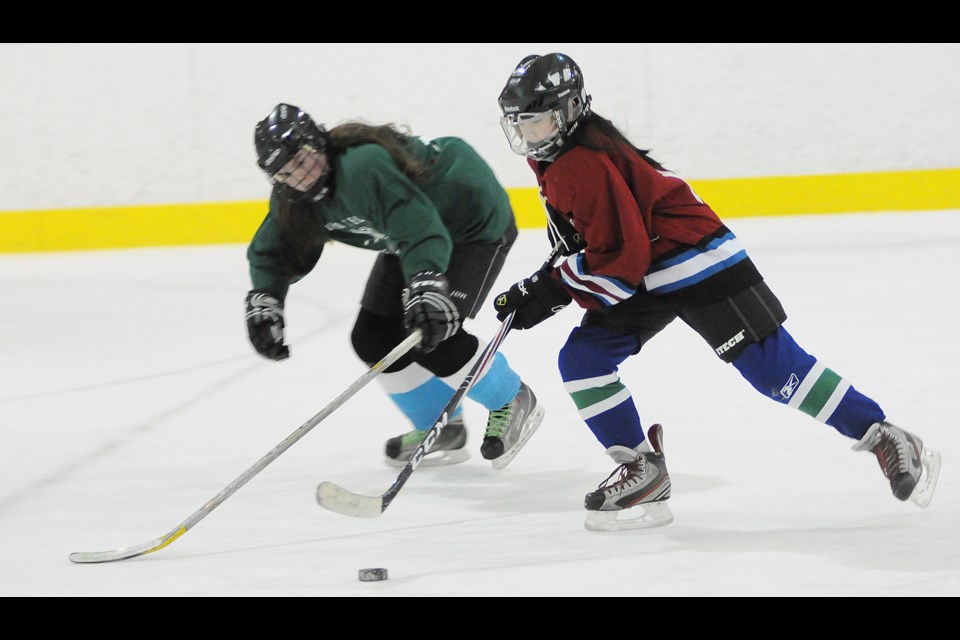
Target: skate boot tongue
(623, 455)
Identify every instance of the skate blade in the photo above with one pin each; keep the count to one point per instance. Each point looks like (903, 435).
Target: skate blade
(532, 424)
(645, 516)
(434, 459)
(923, 493)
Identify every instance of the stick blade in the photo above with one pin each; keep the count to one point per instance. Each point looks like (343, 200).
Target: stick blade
(91, 557)
(335, 498)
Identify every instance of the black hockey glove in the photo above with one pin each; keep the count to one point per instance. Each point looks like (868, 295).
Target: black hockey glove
(534, 299)
(265, 324)
(427, 306)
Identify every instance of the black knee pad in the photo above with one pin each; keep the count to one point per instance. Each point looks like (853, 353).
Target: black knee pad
(450, 355)
(374, 336)
(731, 325)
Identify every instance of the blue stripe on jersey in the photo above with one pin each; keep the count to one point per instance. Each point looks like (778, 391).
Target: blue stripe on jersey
(692, 252)
(694, 265)
(576, 275)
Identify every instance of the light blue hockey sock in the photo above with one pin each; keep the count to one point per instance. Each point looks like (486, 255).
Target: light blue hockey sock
(495, 388)
(419, 394)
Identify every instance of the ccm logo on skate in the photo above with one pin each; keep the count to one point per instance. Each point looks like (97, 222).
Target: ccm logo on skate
(729, 344)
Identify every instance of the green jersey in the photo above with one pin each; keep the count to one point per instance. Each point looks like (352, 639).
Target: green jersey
(374, 205)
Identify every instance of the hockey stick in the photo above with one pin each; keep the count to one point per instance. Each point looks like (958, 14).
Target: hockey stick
(159, 543)
(336, 498)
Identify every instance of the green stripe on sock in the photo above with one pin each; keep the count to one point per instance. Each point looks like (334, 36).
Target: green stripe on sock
(590, 397)
(821, 391)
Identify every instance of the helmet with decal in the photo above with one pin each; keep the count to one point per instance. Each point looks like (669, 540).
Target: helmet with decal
(543, 102)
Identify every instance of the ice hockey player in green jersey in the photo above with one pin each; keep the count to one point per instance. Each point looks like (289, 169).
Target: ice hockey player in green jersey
(442, 226)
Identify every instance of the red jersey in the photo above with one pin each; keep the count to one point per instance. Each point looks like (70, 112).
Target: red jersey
(628, 214)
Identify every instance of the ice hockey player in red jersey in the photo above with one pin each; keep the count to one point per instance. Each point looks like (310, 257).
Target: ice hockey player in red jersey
(641, 249)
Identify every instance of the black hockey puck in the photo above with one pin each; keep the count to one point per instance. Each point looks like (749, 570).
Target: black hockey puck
(373, 575)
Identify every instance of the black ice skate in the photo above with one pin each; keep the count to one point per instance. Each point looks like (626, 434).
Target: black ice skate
(448, 449)
(637, 497)
(911, 468)
(510, 426)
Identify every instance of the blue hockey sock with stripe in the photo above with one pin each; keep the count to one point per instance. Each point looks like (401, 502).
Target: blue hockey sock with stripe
(588, 365)
(778, 368)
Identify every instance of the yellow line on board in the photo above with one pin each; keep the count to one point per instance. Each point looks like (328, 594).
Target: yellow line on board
(839, 193)
(126, 227)
(236, 222)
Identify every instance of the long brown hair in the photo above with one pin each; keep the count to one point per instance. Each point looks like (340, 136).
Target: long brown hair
(597, 133)
(301, 234)
(391, 137)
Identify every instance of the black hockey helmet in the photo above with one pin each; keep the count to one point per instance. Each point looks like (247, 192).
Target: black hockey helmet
(543, 102)
(279, 137)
